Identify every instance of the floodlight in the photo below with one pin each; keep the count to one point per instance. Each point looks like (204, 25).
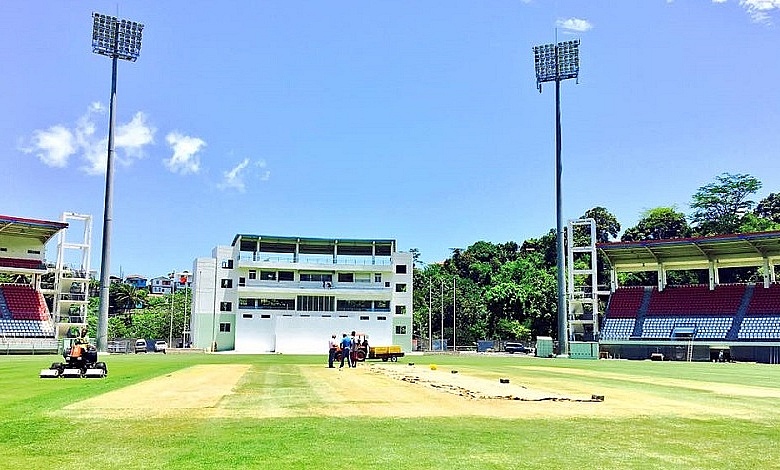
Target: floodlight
(559, 61)
(554, 63)
(113, 37)
(117, 39)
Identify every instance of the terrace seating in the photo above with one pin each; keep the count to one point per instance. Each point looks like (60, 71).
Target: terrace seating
(764, 327)
(617, 328)
(696, 300)
(625, 302)
(26, 329)
(705, 327)
(22, 263)
(765, 301)
(24, 302)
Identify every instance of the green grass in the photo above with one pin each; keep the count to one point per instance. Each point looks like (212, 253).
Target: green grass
(33, 437)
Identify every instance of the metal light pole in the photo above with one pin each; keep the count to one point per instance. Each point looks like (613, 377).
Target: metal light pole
(441, 341)
(430, 314)
(556, 62)
(453, 314)
(118, 39)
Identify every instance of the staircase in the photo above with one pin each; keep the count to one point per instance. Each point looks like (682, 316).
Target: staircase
(640, 315)
(741, 311)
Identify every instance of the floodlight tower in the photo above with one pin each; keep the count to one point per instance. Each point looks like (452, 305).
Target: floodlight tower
(118, 39)
(557, 62)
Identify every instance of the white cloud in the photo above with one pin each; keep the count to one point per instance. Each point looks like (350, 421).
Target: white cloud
(574, 24)
(719, 1)
(185, 157)
(55, 146)
(133, 136)
(234, 178)
(759, 9)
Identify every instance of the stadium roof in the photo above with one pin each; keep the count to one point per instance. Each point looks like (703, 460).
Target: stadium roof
(43, 230)
(743, 249)
(324, 246)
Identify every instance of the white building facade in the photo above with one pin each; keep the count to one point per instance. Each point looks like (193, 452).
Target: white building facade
(289, 294)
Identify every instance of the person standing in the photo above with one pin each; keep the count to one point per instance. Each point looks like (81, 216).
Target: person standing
(353, 349)
(332, 345)
(345, 350)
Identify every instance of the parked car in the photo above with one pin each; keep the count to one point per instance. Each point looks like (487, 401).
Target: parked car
(140, 346)
(512, 348)
(160, 346)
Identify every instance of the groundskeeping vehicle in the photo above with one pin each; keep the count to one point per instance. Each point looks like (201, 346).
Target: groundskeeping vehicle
(80, 360)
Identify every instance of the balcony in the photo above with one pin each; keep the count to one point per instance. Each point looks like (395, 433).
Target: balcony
(263, 259)
(312, 285)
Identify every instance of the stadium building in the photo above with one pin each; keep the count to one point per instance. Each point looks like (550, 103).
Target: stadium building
(712, 321)
(42, 303)
(289, 294)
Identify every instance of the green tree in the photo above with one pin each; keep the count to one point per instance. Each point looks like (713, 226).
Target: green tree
(607, 225)
(769, 208)
(719, 206)
(128, 298)
(658, 223)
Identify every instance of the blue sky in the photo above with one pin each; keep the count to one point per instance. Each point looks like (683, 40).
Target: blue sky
(418, 121)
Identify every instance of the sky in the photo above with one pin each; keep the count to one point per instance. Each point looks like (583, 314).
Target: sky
(416, 121)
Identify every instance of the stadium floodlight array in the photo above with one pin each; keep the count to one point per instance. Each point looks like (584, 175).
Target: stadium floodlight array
(117, 39)
(113, 37)
(555, 62)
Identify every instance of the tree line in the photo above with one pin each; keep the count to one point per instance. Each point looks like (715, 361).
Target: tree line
(509, 290)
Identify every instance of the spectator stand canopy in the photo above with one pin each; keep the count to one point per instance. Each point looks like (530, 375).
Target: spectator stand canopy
(43, 230)
(761, 249)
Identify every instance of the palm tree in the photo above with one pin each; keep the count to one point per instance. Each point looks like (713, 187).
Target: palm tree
(128, 298)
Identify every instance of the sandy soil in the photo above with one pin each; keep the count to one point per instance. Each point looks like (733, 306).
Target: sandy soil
(393, 390)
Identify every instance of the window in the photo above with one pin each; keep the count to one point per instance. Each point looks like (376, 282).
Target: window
(381, 318)
(224, 327)
(346, 277)
(227, 264)
(363, 277)
(316, 303)
(400, 269)
(387, 284)
(247, 315)
(400, 309)
(252, 274)
(353, 305)
(246, 303)
(3, 249)
(267, 275)
(241, 282)
(400, 329)
(34, 252)
(377, 277)
(382, 305)
(226, 283)
(364, 317)
(316, 277)
(286, 276)
(400, 287)
(276, 304)
(226, 306)
(265, 315)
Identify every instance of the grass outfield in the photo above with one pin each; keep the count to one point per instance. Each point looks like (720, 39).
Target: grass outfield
(684, 415)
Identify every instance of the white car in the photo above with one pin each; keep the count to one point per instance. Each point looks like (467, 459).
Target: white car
(160, 346)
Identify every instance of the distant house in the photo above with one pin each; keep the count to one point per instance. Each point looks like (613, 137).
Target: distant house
(137, 281)
(160, 285)
(182, 280)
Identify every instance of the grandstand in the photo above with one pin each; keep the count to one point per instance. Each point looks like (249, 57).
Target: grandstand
(31, 294)
(694, 322)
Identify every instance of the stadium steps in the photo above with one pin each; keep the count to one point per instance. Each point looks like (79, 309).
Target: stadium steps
(740, 315)
(5, 312)
(640, 315)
